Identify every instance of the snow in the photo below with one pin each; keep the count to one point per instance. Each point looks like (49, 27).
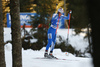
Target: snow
(7, 34)
(29, 59)
(29, 56)
(76, 41)
(33, 40)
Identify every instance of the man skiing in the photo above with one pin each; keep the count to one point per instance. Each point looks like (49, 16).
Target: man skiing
(56, 19)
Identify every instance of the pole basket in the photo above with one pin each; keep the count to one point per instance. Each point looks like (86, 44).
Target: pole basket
(67, 54)
(67, 42)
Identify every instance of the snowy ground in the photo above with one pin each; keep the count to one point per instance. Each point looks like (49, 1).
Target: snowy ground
(29, 59)
(29, 56)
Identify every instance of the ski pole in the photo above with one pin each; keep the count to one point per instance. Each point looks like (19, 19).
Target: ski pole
(68, 30)
(68, 26)
(57, 25)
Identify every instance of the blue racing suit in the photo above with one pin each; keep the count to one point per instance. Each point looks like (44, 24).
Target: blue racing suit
(52, 30)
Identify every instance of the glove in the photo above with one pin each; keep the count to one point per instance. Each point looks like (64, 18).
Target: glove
(70, 11)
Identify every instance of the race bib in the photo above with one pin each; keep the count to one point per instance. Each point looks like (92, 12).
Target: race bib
(50, 35)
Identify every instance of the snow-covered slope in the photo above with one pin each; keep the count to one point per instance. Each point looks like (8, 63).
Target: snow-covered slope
(29, 56)
(29, 59)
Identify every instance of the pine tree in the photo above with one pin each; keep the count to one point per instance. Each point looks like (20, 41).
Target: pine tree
(79, 18)
(2, 55)
(94, 14)
(44, 11)
(6, 10)
(26, 5)
(16, 33)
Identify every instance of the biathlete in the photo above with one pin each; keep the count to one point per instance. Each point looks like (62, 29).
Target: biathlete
(56, 19)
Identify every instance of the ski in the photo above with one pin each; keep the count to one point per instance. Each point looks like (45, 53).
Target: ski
(55, 59)
(50, 58)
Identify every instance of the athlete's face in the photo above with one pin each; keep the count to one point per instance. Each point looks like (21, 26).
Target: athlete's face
(60, 14)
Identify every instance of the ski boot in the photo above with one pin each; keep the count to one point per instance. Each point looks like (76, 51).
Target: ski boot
(51, 56)
(47, 56)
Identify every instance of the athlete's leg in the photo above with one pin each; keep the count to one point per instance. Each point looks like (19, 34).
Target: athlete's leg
(49, 41)
(48, 45)
(52, 48)
(51, 32)
(53, 44)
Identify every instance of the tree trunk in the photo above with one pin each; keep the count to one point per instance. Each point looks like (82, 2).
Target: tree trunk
(16, 33)
(89, 38)
(94, 15)
(2, 55)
